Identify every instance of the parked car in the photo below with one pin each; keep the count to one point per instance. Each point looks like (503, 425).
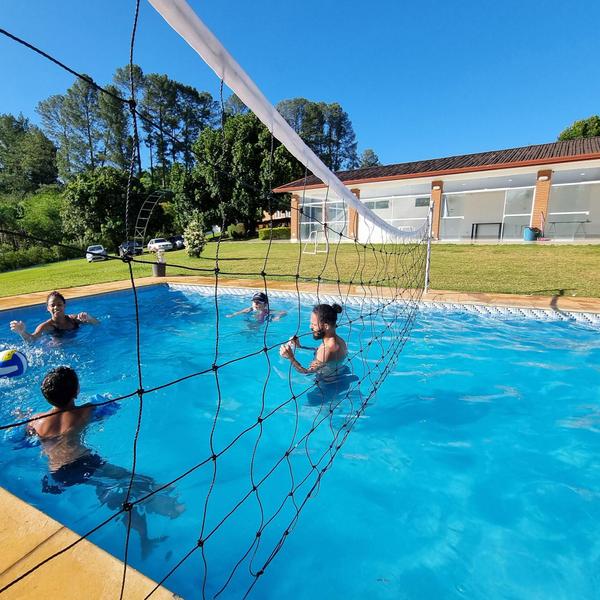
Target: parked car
(159, 244)
(130, 248)
(97, 252)
(177, 241)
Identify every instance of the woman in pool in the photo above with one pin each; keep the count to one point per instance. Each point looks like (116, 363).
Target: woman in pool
(331, 355)
(58, 322)
(260, 308)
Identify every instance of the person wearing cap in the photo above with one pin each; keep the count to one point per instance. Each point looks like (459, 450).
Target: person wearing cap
(260, 308)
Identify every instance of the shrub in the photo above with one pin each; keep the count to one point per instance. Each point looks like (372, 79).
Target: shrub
(194, 236)
(279, 233)
(27, 257)
(237, 231)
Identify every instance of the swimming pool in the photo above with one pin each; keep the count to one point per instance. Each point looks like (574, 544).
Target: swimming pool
(474, 473)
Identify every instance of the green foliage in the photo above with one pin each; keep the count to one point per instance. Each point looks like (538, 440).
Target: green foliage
(27, 156)
(277, 233)
(585, 128)
(326, 129)
(114, 131)
(234, 106)
(41, 214)
(94, 207)
(237, 231)
(194, 235)
(11, 259)
(369, 159)
(236, 169)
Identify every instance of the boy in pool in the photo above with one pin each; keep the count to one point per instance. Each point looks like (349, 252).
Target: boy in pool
(260, 306)
(58, 321)
(331, 354)
(60, 431)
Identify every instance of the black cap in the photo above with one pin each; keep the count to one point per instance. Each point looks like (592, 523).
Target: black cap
(260, 297)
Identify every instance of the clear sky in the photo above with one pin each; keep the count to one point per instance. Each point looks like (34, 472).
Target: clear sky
(419, 79)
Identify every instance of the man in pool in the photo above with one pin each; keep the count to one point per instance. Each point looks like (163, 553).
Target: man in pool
(58, 322)
(260, 308)
(331, 355)
(60, 431)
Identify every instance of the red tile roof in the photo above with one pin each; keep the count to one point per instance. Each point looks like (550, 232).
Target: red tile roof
(569, 150)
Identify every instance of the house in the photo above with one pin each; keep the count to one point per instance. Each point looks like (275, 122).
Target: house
(484, 196)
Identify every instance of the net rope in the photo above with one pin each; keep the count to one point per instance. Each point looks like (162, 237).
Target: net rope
(382, 291)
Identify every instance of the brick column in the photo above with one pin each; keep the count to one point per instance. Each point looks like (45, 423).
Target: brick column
(437, 190)
(353, 218)
(295, 218)
(540, 199)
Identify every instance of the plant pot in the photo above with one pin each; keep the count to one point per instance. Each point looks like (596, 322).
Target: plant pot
(159, 269)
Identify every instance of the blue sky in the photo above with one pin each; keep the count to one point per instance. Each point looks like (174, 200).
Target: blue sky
(418, 79)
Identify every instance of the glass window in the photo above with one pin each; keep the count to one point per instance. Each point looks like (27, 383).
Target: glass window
(454, 205)
(377, 204)
(518, 202)
(512, 228)
(419, 202)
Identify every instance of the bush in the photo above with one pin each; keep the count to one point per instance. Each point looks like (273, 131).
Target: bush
(194, 236)
(237, 232)
(279, 233)
(27, 257)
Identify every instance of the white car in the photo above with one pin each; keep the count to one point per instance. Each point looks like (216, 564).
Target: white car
(94, 253)
(159, 244)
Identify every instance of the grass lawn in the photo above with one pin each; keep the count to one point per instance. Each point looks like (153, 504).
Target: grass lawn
(516, 269)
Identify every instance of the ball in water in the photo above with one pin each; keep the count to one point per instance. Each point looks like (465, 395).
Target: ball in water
(12, 363)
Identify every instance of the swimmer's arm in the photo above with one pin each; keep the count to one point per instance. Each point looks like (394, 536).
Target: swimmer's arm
(320, 359)
(296, 341)
(19, 327)
(279, 315)
(84, 317)
(105, 410)
(240, 312)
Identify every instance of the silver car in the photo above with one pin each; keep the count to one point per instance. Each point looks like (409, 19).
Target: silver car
(159, 244)
(97, 252)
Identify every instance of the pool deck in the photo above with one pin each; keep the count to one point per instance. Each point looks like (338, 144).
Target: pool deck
(565, 303)
(28, 536)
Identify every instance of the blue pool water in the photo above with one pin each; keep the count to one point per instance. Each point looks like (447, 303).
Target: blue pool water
(474, 473)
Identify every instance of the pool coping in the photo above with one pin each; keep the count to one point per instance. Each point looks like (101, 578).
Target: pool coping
(28, 536)
(556, 302)
(546, 308)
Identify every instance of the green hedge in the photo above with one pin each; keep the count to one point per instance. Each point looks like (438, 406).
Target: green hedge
(237, 232)
(279, 233)
(27, 257)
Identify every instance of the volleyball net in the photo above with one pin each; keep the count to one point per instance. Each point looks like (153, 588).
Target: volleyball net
(345, 254)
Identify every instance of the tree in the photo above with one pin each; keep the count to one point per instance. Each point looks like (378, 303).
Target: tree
(194, 112)
(116, 141)
(27, 156)
(325, 128)
(339, 140)
(585, 128)
(158, 105)
(81, 111)
(94, 207)
(234, 106)
(57, 127)
(72, 122)
(41, 213)
(236, 168)
(369, 159)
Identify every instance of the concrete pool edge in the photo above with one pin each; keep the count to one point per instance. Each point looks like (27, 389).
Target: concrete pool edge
(28, 536)
(567, 304)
